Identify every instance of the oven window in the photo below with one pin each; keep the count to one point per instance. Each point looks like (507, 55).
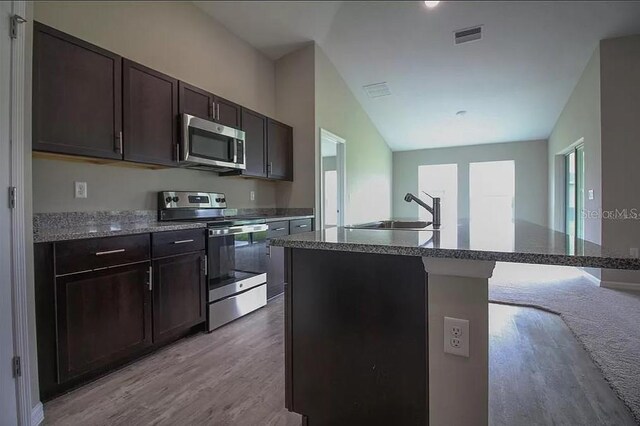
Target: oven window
(210, 145)
(251, 252)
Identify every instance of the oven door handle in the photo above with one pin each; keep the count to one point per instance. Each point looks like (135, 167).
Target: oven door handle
(236, 230)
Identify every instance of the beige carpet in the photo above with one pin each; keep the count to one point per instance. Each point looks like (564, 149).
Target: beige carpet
(605, 321)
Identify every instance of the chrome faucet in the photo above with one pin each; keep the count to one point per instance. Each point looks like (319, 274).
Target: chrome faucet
(435, 210)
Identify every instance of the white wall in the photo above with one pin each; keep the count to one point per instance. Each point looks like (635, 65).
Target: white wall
(295, 106)
(368, 157)
(580, 118)
(530, 168)
(180, 40)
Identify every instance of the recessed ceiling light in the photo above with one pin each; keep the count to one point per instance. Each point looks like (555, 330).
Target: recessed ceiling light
(431, 4)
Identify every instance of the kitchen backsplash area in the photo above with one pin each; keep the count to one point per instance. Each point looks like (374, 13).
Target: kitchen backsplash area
(127, 187)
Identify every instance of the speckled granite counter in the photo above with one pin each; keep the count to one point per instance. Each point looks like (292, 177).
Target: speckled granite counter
(525, 243)
(49, 227)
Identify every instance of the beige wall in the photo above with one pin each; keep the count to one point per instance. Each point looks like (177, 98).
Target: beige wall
(530, 168)
(620, 88)
(368, 157)
(295, 106)
(180, 40)
(580, 119)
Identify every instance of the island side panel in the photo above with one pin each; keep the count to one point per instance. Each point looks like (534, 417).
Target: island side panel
(356, 338)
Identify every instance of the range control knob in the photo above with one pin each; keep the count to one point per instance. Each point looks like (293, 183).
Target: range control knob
(223, 200)
(218, 200)
(176, 199)
(168, 199)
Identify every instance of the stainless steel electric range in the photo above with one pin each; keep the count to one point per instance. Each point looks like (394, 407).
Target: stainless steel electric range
(236, 252)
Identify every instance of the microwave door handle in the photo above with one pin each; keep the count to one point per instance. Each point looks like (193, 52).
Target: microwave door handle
(235, 151)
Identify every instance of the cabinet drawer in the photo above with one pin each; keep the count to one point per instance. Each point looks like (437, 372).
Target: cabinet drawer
(85, 255)
(169, 243)
(300, 225)
(278, 229)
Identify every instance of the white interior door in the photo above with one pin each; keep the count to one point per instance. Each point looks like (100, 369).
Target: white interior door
(332, 179)
(8, 407)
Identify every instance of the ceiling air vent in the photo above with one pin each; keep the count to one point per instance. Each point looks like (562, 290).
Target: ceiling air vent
(468, 34)
(377, 90)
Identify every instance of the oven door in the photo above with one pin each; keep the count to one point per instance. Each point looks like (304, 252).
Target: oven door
(237, 259)
(211, 144)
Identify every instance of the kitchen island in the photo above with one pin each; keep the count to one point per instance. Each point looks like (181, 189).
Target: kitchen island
(365, 315)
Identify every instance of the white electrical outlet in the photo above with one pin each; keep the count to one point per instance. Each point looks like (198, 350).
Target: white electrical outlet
(456, 336)
(81, 189)
(590, 192)
(252, 195)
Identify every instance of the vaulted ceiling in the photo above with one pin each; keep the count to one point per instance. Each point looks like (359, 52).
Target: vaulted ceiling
(513, 83)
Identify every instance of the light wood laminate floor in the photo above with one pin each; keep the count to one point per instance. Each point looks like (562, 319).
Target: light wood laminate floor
(539, 374)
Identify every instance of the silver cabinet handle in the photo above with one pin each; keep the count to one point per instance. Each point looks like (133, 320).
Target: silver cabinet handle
(177, 153)
(118, 146)
(102, 253)
(279, 229)
(211, 110)
(182, 242)
(302, 226)
(218, 111)
(150, 282)
(203, 259)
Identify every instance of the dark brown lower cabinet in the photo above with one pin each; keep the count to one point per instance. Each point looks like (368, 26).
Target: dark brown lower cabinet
(178, 294)
(102, 316)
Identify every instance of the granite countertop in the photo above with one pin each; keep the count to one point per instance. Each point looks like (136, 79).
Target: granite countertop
(524, 243)
(50, 227)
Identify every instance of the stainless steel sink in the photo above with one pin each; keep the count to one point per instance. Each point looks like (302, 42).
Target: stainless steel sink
(395, 224)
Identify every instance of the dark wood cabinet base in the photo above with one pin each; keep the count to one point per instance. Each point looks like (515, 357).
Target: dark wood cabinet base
(356, 338)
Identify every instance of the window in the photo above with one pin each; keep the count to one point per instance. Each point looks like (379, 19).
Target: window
(440, 180)
(492, 187)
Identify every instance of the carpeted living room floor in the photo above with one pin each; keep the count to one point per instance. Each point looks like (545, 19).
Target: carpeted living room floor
(605, 321)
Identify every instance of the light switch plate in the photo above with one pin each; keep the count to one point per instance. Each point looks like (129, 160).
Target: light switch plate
(456, 336)
(590, 194)
(81, 189)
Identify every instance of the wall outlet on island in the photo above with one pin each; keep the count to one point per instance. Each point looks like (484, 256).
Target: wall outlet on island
(80, 189)
(456, 336)
(252, 195)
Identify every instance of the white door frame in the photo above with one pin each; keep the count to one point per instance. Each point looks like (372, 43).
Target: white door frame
(26, 414)
(341, 168)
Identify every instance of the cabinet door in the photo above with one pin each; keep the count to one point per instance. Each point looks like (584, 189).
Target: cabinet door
(102, 316)
(150, 115)
(227, 113)
(275, 272)
(254, 126)
(279, 150)
(76, 96)
(178, 294)
(194, 101)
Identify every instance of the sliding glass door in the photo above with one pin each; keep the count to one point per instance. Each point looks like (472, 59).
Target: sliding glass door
(574, 196)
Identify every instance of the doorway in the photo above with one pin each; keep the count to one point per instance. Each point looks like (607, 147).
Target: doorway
(8, 400)
(332, 179)
(574, 195)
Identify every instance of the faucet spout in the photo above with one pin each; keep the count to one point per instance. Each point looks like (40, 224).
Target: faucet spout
(435, 210)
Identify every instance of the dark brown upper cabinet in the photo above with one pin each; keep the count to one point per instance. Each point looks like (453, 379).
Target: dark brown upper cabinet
(150, 115)
(226, 112)
(254, 126)
(279, 151)
(77, 106)
(200, 103)
(194, 101)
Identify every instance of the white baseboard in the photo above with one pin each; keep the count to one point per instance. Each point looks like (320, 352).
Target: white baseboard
(592, 278)
(617, 285)
(37, 414)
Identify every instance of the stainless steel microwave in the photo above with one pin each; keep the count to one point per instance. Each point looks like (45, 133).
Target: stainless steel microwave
(209, 145)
